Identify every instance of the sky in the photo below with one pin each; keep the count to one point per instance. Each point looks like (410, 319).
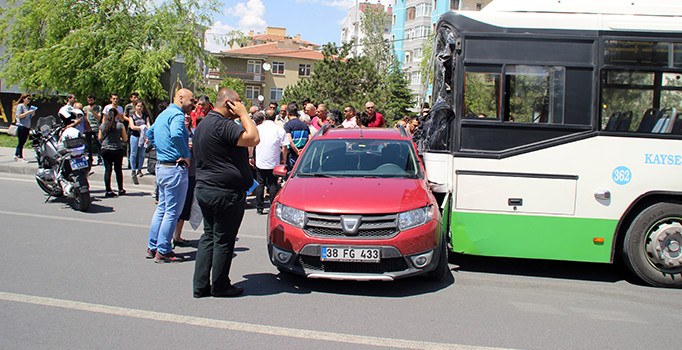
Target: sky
(318, 21)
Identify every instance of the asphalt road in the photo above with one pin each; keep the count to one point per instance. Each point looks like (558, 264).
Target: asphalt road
(80, 280)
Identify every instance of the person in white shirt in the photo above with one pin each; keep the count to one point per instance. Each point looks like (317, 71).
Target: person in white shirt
(349, 120)
(271, 151)
(65, 111)
(281, 118)
(114, 104)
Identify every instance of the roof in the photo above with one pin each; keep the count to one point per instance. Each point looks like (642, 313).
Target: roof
(618, 15)
(368, 133)
(277, 38)
(275, 49)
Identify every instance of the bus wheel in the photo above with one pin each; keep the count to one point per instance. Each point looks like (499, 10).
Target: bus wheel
(653, 245)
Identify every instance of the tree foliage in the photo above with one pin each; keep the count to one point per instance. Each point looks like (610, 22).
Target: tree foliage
(235, 84)
(426, 64)
(101, 46)
(375, 47)
(339, 80)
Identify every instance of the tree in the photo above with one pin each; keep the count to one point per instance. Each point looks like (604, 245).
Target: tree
(102, 46)
(235, 84)
(398, 94)
(426, 64)
(339, 80)
(375, 47)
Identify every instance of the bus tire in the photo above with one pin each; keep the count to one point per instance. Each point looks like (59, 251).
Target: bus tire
(652, 248)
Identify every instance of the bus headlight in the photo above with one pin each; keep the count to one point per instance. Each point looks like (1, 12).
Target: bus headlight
(290, 215)
(415, 217)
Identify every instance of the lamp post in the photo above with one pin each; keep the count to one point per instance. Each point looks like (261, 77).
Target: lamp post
(266, 68)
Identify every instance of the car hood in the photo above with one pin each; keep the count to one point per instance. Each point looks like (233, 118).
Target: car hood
(355, 195)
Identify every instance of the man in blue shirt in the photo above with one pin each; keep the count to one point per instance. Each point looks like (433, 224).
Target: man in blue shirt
(298, 134)
(171, 141)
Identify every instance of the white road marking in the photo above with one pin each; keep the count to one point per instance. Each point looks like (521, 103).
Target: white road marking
(232, 325)
(97, 186)
(100, 222)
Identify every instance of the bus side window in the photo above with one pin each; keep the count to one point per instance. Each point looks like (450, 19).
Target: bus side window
(481, 95)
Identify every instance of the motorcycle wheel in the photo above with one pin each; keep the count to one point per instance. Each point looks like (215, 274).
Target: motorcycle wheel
(80, 200)
(48, 189)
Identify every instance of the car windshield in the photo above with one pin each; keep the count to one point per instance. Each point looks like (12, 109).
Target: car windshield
(359, 158)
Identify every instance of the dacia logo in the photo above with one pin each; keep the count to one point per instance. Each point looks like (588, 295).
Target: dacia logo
(350, 224)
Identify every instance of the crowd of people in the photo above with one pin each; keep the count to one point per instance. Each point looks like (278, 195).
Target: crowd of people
(204, 152)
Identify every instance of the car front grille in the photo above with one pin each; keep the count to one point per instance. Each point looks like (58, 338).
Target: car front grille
(371, 226)
(385, 265)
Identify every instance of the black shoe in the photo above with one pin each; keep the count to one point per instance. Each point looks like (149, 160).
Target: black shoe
(182, 243)
(151, 253)
(231, 291)
(121, 192)
(110, 194)
(259, 211)
(135, 180)
(202, 293)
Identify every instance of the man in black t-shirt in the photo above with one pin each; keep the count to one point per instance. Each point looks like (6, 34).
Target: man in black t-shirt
(220, 147)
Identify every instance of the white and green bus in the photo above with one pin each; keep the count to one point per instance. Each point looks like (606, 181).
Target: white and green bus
(555, 132)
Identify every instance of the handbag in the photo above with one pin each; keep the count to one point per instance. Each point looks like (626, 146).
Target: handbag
(12, 131)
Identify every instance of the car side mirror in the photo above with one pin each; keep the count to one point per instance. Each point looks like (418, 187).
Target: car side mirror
(280, 170)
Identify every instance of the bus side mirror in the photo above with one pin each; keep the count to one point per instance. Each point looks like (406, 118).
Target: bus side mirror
(280, 170)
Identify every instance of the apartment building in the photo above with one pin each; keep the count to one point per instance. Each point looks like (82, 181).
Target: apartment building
(351, 31)
(412, 23)
(268, 64)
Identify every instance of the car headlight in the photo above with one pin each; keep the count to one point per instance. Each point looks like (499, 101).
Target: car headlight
(415, 217)
(290, 215)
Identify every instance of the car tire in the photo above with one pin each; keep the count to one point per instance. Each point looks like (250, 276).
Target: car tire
(442, 268)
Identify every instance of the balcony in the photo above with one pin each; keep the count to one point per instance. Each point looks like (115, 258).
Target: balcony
(249, 78)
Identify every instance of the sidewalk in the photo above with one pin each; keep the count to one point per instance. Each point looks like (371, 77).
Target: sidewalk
(8, 165)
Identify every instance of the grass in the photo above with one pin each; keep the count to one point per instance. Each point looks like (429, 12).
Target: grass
(11, 141)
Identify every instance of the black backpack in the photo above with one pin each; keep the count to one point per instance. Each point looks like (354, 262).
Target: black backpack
(151, 161)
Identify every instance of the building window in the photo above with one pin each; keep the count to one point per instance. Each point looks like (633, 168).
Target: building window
(276, 94)
(423, 10)
(478, 6)
(394, 19)
(454, 4)
(411, 12)
(278, 68)
(252, 92)
(304, 70)
(408, 58)
(253, 66)
(415, 79)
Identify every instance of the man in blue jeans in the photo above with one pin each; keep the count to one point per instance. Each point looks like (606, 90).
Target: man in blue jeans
(223, 176)
(171, 141)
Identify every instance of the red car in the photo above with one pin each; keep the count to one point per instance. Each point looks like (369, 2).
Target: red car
(357, 206)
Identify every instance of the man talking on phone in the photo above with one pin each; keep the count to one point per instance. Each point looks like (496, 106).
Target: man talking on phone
(223, 177)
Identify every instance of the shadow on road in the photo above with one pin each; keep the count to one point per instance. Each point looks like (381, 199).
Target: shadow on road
(94, 207)
(270, 284)
(569, 270)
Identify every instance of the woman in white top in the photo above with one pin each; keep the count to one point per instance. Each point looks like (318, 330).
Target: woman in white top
(23, 113)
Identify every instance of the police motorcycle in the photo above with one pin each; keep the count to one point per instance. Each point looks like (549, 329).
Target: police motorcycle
(63, 168)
